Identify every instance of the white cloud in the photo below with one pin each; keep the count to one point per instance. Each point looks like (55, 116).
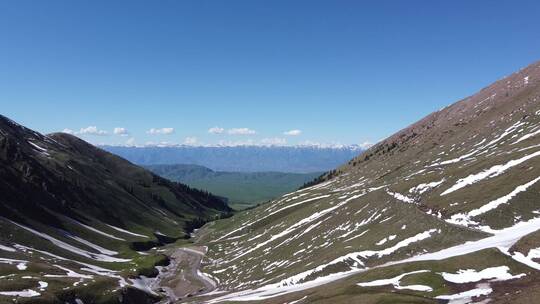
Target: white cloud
(216, 130)
(130, 141)
(366, 145)
(241, 131)
(92, 130)
(190, 141)
(121, 131)
(165, 131)
(68, 131)
(292, 132)
(276, 141)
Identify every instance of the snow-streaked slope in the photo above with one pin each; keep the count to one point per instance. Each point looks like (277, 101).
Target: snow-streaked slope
(460, 181)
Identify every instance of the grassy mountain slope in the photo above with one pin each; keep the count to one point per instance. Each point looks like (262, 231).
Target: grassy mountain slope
(457, 190)
(242, 189)
(71, 212)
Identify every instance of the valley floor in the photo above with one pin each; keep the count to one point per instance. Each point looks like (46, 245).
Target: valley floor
(183, 278)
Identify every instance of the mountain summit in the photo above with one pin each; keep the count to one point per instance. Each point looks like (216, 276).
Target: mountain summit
(446, 209)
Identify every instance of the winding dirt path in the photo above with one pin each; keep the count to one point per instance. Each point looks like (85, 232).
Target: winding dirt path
(182, 278)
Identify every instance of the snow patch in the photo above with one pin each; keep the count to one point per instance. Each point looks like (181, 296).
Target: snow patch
(421, 188)
(489, 173)
(7, 248)
(396, 284)
(466, 296)
(27, 293)
(127, 232)
(71, 248)
(471, 276)
(401, 197)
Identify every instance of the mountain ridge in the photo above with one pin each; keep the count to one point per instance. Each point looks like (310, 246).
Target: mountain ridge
(452, 194)
(290, 159)
(84, 221)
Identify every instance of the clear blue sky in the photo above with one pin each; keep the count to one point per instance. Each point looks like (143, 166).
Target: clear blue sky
(338, 71)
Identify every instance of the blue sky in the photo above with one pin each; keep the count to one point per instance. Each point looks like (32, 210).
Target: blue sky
(336, 71)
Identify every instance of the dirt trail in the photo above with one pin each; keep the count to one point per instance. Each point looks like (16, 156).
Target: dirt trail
(182, 278)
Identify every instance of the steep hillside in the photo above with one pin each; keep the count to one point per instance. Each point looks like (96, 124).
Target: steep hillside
(75, 219)
(297, 159)
(242, 189)
(446, 209)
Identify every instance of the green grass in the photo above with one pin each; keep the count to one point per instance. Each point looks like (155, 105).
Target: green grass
(242, 189)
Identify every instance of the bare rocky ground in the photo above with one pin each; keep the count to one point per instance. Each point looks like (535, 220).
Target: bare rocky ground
(182, 278)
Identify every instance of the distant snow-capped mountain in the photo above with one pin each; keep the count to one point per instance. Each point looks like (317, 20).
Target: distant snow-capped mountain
(297, 159)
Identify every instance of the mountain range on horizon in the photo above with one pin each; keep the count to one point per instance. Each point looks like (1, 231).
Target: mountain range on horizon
(288, 159)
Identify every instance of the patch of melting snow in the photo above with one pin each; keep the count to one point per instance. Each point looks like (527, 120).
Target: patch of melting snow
(504, 134)
(489, 173)
(500, 137)
(465, 219)
(454, 160)
(528, 259)
(356, 236)
(98, 231)
(471, 276)
(421, 188)
(503, 238)
(275, 290)
(143, 283)
(298, 224)
(7, 248)
(88, 268)
(395, 282)
(356, 257)
(297, 301)
(13, 261)
(401, 197)
(466, 296)
(11, 275)
(22, 266)
(404, 243)
(43, 285)
(207, 278)
(71, 248)
(127, 232)
(248, 224)
(69, 273)
(27, 293)
(93, 246)
(39, 149)
(381, 242)
(526, 136)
